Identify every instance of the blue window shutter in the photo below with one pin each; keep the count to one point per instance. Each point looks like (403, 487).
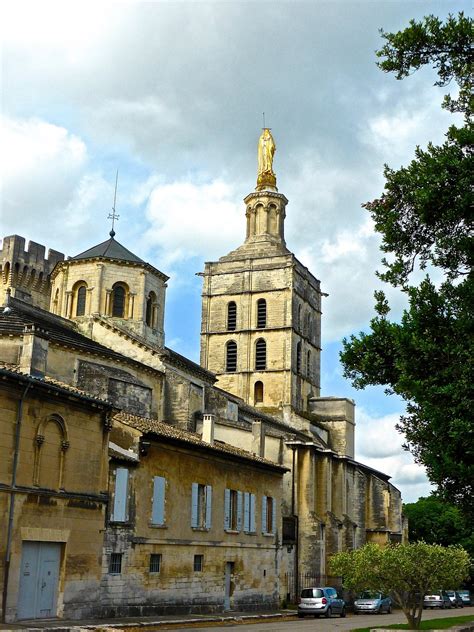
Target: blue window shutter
(274, 515)
(227, 509)
(252, 513)
(239, 511)
(246, 511)
(194, 505)
(264, 514)
(208, 506)
(158, 507)
(120, 496)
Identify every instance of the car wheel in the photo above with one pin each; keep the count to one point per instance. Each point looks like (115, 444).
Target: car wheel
(300, 615)
(327, 614)
(356, 612)
(343, 613)
(389, 610)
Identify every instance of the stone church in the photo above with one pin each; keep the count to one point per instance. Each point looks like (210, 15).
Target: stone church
(223, 485)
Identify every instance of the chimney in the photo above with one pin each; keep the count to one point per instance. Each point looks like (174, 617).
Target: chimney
(208, 428)
(34, 352)
(258, 438)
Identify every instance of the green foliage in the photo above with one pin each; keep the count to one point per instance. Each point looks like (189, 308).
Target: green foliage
(436, 521)
(425, 219)
(406, 571)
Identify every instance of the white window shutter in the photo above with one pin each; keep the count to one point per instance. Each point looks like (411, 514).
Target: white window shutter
(252, 513)
(246, 511)
(158, 507)
(264, 514)
(194, 505)
(208, 506)
(227, 509)
(239, 511)
(120, 495)
(274, 515)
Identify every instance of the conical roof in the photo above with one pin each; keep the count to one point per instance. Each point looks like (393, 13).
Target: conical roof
(110, 249)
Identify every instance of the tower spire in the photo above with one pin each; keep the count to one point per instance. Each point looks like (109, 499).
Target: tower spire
(113, 216)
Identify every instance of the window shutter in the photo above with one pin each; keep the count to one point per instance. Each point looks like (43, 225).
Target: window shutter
(194, 505)
(246, 511)
(239, 511)
(208, 506)
(264, 514)
(227, 509)
(252, 513)
(120, 496)
(158, 507)
(274, 515)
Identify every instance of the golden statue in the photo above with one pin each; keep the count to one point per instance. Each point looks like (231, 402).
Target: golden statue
(266, 149)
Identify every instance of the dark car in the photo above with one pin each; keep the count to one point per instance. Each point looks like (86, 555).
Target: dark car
(437, 599)
(465, 596)
(372, 602)
(317, 601)
(456, 599)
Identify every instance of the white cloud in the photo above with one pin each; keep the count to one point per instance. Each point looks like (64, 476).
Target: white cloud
(379, 445)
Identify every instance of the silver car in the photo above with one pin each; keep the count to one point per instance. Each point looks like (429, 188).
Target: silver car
(372, 602)
(456, 599)
(437, 599)
(320, 601)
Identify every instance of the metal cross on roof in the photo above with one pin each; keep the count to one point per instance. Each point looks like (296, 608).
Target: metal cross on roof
(113, 216)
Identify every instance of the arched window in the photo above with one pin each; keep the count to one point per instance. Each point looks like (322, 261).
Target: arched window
(261, 313)
(231, 316)
(231, 356)
(260, 355)
(151, 309)
(258, 392)
(81, 300)
(299, 318)
(56, 302)
(309, 371)
(298, 358)
(118, 300)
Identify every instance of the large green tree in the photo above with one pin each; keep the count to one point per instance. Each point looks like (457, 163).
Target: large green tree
(405, 571)
(425, 219)
(436, 521)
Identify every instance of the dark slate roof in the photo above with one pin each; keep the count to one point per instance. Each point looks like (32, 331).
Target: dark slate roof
(111, 249)
(58, 330)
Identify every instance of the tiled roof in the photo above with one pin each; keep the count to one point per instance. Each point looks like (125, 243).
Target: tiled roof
(13, 371)
(56, 329)
(171, 433)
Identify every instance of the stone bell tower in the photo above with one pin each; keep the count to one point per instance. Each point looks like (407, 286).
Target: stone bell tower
(261, 309)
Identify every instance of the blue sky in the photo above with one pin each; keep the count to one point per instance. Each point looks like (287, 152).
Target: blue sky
(172, 94)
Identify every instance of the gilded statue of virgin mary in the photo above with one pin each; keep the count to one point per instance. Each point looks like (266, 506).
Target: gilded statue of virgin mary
(266, 149)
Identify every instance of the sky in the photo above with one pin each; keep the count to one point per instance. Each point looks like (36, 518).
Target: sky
(172, 94)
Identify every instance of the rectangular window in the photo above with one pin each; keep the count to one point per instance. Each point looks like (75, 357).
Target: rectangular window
(198, 563)
(158, 503)
(249, 512)
(155, 562)
(232, 510)
(268, 515)
(120, 506)
(115, 564)
(201, 506)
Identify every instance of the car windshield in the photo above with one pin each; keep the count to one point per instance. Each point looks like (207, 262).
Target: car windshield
(370, 594)
(308, 593)
(450, 593)
(463, 592)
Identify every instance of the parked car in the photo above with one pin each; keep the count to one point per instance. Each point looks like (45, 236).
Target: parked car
(372, 602)
(320, 601)
(456, 599)
(437, 599)
(465, 596)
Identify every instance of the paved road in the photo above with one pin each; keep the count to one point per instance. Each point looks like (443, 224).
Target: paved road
(333, 624)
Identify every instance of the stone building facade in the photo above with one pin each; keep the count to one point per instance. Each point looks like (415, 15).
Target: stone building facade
(259, 380)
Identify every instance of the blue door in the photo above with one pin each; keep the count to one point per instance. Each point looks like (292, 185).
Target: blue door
(39, 580)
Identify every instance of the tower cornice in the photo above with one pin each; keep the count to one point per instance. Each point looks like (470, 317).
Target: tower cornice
(258, 195)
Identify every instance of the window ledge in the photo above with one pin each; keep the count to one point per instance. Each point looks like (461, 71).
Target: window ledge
(232, 531)
(157, 526)
(268, 535)
(200, 528)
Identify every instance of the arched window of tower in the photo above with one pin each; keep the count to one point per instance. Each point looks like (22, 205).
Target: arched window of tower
(308, 365)
(298, 358)
(151, 310)
(231, 356)
(298, 322)
(258, 392)
(260, 355)
(261, 313)
(81, 294)
(119, 294)
(231, 316)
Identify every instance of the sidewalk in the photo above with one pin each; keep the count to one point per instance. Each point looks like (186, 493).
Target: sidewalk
(155, 621)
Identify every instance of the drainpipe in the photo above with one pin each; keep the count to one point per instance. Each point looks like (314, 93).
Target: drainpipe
(19, 417)
(296, 518)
